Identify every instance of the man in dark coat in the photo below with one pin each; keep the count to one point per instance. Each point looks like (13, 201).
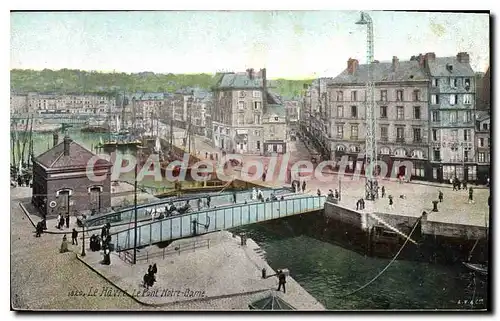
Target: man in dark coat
(67, 220)
(383, 191)
(471, 198)
(440, 196)
(74, 237)
(61, 222)
(234, 198)
(303, 186)
(281, 281)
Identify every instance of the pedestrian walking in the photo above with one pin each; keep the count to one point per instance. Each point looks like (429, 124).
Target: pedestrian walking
(362, 203)
(440, 196)
(391, 202)
(319, 192)
(281, 280)
(64, 245)
(67, 220)
(39, 229)
(358, 203)
(74, 237)
(383, 191)
(471, 198)
(59, 221)
(234, 198)
(264, 176)
(303, 186)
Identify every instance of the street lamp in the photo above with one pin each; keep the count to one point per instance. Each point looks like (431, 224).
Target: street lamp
(83, 241)
(371, 125)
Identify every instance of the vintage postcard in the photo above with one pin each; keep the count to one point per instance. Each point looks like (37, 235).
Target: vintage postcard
(253, 160)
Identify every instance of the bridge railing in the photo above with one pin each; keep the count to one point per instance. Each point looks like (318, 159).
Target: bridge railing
(215, 219)
(143, 210)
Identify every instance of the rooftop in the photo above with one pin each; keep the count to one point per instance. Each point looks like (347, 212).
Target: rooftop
(438, 67)
(240, 80)
(383, 72)
(78, 157)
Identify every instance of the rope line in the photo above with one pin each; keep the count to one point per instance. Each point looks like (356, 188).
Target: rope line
(388, 265)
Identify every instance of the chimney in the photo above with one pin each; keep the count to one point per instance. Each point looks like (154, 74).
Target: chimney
(264, 85)
(463, 57)
(395, 63)
(421, 60)
(55, 138)
(67, 142)
(352, 66)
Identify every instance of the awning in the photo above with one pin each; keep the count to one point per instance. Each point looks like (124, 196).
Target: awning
(270, 302)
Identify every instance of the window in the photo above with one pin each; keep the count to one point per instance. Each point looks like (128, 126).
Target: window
(340, 111)
(418, 170)
(385, 151)
(400, 133)
(416, 112)
(453, 116)
(256, 105)
(354, 112)
(340, 131)
(400, 113)
(354, 95)
(467, 99)
(384, 133)
(400, 152)
(95, 198)
(416, 95)
(241, 105)
(340, 96)
(466, 155)
(399, 95)
(256, 94)
(481, 157)
(340, 148)
(485, 126)
(383, 111)
(435, 82)
(481, 142)
(354, 131)
(467, 83)
(257, 119)
(242, 94)
(437, 155)
(258, 145)
(276, 118)
(453, 100)
(466, 134)
(435, 99)
(383, 95)
(417, 135)
(434, 134)
(417, 154)
(435, 116)
(467, 116)
(453, 82)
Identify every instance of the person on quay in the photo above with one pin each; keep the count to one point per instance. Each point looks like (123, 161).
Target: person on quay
(234, 197)
(281, 280)
(440, 196)
(319, 192)
(471, 198)
(74, 237)
(383, 191)
(64, 245)
(67, 220)
(303, 186)
(61, 222)
(59, 216)
(391, 202)
(208, 200)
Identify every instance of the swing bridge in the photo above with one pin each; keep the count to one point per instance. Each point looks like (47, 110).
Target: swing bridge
(223, 214)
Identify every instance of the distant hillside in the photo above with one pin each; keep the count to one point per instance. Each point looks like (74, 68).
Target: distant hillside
(76, 81)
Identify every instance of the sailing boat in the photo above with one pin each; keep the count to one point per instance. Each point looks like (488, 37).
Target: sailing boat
(477, 267)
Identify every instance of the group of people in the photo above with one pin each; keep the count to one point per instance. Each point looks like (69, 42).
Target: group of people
(62, 220)
(149, 278)
(333, 194)
(457, 185)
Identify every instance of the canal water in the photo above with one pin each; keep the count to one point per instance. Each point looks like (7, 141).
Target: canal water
(328, 271)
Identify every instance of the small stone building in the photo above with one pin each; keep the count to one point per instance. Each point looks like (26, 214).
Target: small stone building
(70, 179)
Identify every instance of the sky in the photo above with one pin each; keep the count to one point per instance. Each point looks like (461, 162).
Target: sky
(290, 44)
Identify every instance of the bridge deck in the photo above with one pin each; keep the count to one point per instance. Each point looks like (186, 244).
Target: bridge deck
(217, 199)
(211, 220)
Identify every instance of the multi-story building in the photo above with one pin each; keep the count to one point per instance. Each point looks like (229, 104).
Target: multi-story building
(401, 108)
(239, 110)
(483, 147)
(483, 91)
(452, 108)
(292, 110)
(19, 103)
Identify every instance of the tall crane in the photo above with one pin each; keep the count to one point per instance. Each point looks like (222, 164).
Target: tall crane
(371, 120)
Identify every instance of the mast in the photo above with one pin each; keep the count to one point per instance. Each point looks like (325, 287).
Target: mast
(25, 140)
(30, 146)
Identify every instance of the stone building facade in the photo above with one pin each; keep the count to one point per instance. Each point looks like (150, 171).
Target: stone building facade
(62, 184)
(483, 145)
(401, 108)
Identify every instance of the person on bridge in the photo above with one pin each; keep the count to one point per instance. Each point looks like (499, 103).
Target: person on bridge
(254, 194)
(319, 192)
(208, 201)
(234, 198)
(330, 193)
